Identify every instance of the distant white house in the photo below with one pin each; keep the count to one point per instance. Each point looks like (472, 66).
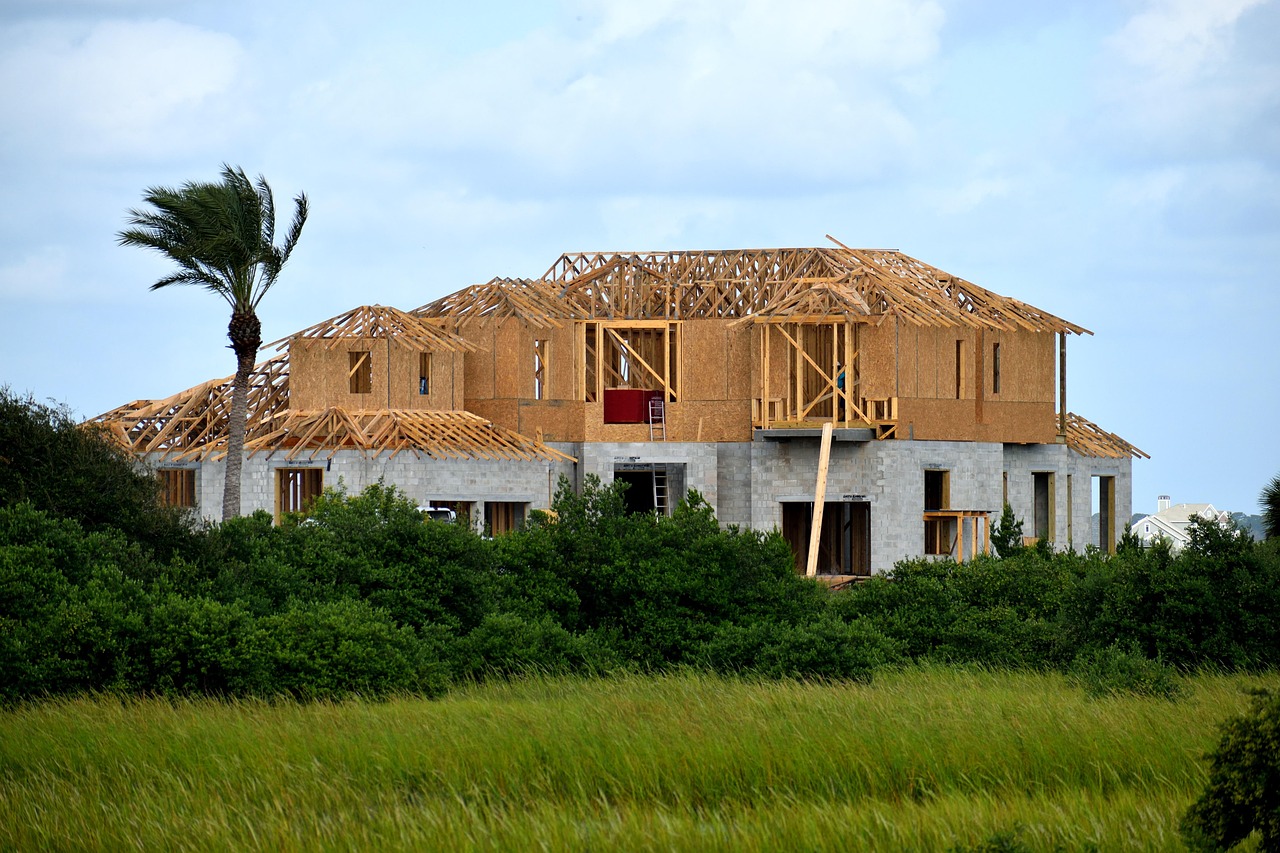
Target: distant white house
(1170, 522)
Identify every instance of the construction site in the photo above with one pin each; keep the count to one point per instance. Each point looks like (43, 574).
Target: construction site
(869, 406)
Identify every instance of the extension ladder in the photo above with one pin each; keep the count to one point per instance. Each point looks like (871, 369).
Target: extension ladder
(657, 419)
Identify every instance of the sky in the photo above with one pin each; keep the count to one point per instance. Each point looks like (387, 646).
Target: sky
(1116, 163)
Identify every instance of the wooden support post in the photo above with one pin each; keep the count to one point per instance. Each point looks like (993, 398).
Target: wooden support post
(764, 379)
(819, 499)
(851, 376)
(1062, 383)
(979, 373)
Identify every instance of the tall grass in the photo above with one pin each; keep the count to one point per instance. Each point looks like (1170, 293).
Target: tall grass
(924, 759)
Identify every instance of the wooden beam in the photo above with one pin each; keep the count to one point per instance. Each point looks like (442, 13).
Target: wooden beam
(1062, 383)
(819, 499)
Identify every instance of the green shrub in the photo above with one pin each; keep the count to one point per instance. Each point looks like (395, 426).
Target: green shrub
(825, 647)
(1115, 669)
(1243, 792)
(507, 644)
(198, 645)
(343, 648)
(78, 471)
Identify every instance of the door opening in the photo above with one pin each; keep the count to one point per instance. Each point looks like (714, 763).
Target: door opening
(844, 544)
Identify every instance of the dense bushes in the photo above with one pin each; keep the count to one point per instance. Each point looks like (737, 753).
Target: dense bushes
(77, 471)
(1243, 794)
(364, 596)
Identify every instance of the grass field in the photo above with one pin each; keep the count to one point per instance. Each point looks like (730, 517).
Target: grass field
(930, 759)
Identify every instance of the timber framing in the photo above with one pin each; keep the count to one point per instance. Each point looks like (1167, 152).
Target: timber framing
(760, 285)
(1088, 439)
(904, 374)
(381, 322)
(192, 425)
(434, 435)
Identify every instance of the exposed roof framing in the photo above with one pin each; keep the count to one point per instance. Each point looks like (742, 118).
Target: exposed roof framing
(381, 321)
(1088, 439)
(192, 424)
(761, 283)
(434, 434)
(537, 303)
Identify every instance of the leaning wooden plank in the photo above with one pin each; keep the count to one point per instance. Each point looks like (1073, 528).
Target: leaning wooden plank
(819, 499)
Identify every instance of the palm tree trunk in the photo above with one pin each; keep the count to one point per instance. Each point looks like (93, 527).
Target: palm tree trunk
(245, 332)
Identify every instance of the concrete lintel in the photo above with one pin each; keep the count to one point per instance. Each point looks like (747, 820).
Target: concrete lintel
(851, 434)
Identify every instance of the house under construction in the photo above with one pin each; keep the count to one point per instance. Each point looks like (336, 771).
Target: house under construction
(866, 404)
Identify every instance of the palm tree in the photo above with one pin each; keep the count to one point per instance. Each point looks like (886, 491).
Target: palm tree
(1270, 500)
(222, 238)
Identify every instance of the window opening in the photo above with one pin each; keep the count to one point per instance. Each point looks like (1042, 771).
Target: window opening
(939, 533)
(296, 488)
(360, 373)
(1043, 486)
(995, 368)
(539, 369)
(1103, 499)
(959, 370)
(424, 373)
(178, 487)
(503, 517)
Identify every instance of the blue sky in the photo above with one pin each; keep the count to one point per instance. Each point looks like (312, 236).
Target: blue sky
(1116, 163)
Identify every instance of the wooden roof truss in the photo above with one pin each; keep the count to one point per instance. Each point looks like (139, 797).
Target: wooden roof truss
(192, 424)
(1088, 439)
(536, 303)
(433, 434)
(761, 285)
(424, 334)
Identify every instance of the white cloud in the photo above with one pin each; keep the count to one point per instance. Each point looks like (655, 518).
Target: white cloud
(1178, 38)
(119, 87)
(698, 94)
(1189, 78)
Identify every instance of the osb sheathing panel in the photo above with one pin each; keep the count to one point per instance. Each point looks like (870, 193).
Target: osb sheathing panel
(718, 420)
(706, 360)
(323, 377)
(559, 420)
(562, 362)
(480, 366)
(447, 380)
(953, 420)
(595, 429)
(926, 362)
(1028, 366)
(876, 367)
(742, 353)
(513, 373)
(504, 413)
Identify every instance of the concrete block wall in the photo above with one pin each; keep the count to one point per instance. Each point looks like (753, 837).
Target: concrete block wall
(889, 475)
(1022, 461)
(699, 459)
(421, 479)
(733, 483)
(746, 482)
